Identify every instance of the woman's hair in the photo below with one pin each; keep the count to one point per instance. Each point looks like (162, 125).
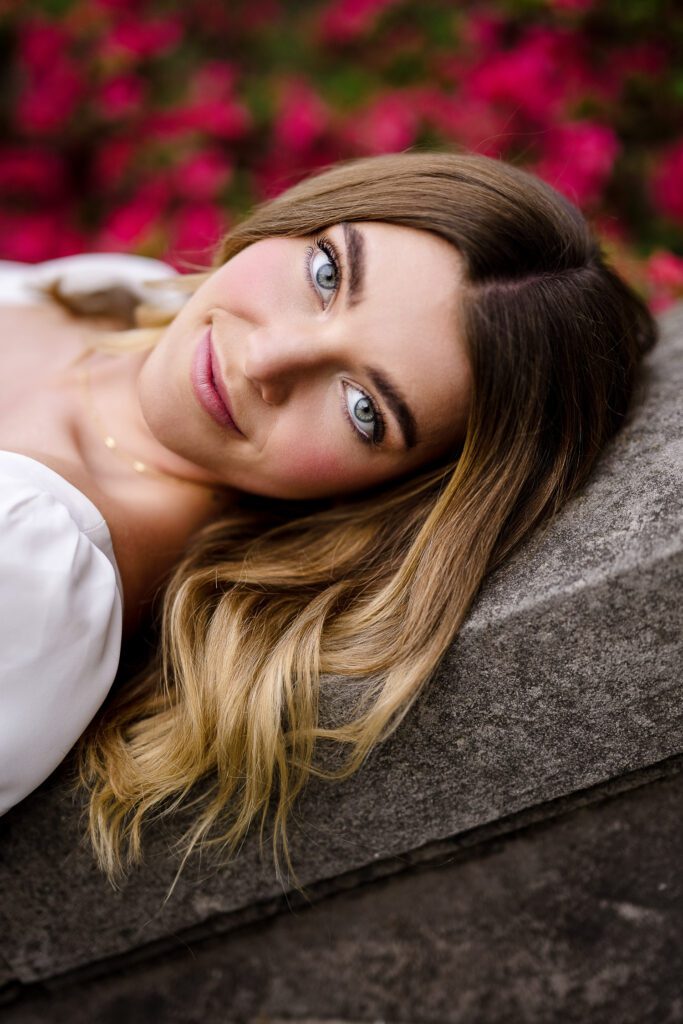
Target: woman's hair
(371, 588)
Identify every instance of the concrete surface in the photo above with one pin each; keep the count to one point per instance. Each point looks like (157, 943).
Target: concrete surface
(575, 920)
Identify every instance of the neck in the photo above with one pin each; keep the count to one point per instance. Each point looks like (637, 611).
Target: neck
(112, 415)
(151, 516)
(151, 525)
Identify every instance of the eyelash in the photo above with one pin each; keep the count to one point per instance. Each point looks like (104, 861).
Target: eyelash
(380, 425)
(325, 245)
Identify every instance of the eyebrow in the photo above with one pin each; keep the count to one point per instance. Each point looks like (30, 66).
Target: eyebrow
(397, 403)
(355, 259)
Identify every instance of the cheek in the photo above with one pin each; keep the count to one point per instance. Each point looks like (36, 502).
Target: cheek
(312, 465)
(306, 452)
(302, 465)
(253, 279)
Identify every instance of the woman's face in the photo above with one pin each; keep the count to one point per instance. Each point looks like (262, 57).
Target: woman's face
(340, 356)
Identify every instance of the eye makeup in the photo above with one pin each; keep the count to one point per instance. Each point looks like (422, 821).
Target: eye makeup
(326, 246)
(379, 427)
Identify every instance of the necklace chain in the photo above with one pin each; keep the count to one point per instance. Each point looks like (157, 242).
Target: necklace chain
(112, 444)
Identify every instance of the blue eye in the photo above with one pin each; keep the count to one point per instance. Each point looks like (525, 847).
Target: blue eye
(365, 417)
(323, 270)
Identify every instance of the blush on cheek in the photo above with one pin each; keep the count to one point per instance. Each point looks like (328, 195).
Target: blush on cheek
(314, 461)
(254, 279)
(315, 465)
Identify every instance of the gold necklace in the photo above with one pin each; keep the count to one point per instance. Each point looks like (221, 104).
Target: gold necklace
(137, 464)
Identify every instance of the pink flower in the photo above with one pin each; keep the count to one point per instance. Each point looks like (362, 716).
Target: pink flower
(665, 270)
(280, 167)
(227, 119)
(578, 159)
(53, 82)
(347, 19)
(31, 171)
(40, 43)
(112, 160)
(534, 78)
(476, 126)
(387, 125)
(131, 224)
(129, 6)
(37, 236)
(666, 184)
(276, 171)
(165, 125)
(197, 228)
(572, 5)
(215, 79)
(202, 176)
(70, 239)
(50, 98)
(482, 30)
(302, 116)
(141, 39)
(120, 95)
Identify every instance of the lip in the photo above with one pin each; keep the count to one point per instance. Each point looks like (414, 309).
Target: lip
(208, 385)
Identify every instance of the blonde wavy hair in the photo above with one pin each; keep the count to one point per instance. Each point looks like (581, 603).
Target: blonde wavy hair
(371, 588)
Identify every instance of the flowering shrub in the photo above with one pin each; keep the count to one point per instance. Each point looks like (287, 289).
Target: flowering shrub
(150, 126)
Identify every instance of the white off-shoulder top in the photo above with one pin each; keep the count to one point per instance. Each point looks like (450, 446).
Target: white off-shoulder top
(61, 597)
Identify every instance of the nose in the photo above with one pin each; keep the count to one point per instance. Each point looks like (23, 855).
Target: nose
(277, 358)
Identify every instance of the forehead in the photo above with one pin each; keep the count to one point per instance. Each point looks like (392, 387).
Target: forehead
(409, 318)
(411, 248)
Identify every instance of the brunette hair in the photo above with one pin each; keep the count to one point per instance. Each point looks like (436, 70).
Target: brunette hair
(270, 598)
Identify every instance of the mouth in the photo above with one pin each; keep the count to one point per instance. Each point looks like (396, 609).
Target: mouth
(209, 386)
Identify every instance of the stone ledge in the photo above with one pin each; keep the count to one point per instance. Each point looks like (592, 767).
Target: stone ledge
(566, 674)
(571, 921)
(472, 843)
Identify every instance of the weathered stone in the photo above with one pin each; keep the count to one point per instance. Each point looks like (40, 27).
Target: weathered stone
(572, 921)
(566, 674)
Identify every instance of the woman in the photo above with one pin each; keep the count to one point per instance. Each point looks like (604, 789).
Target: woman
(391, 375)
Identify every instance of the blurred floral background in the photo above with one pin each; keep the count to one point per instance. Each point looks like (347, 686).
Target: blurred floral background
(150, 127)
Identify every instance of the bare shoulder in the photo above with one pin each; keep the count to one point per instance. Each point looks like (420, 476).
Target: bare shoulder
(18, 314)
(18, 320)
(43, 338)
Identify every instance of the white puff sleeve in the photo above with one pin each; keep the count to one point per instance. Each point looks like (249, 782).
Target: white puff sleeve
(60, 621)
(20, 283)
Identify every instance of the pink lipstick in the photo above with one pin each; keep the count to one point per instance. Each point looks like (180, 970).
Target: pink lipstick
(208, 386)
